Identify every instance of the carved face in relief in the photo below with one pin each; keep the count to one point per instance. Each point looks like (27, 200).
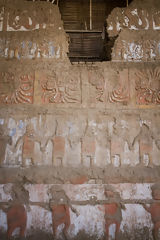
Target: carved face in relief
(50, 83)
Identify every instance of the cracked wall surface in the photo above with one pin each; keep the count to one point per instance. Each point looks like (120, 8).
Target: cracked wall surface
(80, 143)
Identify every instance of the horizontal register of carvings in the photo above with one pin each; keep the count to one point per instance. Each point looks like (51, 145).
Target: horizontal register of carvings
(27, 49)
(94, 207)
(49, 140)
(67, 87)
(133, 19)
(29, 17)
(138, 50)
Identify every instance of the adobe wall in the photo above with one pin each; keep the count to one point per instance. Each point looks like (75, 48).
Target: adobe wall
(80, 143)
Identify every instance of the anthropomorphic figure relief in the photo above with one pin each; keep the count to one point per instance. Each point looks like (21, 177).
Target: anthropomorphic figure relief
(4, 140)
(60, 89)
(58, 143)
(60, 205)
(118, 140)
(154, 210)
(145, 140)
(28, 142)
(89, 145)
(16, 210)
(113, 213)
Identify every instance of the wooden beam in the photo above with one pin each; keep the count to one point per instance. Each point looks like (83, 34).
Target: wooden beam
(127, 3)
(90, 14)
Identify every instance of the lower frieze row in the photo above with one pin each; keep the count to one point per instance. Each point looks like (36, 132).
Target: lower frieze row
(110, 211)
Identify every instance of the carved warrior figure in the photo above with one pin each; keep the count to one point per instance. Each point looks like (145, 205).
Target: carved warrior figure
(118, 140)
(154, 210)
(145, 140)
(148, 86)
(28, 141)
(112, 210)
(59, 205)
(22, 94)
(16, 212)
(4, 140)
(56, 90)
(88, 145)
(58, 145)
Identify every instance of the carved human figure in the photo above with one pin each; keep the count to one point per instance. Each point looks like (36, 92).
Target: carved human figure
(118, 140)
(58, 144)
(28, 142)
(4, 140)
(113, 213)
(154, 210)
(89, 146)
(16, 211)
(145, 140)
(60, 205)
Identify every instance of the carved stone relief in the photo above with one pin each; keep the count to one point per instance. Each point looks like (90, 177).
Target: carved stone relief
(29, 17)
(27, 49)
(59, 88)
(148, 86)
(146, 50)
(13, 90)
(121, 93)
(132, 19)
(97, 86)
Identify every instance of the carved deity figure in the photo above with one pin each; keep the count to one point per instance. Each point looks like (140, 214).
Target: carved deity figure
(154, 210)
(59, 89)
(113, 213)
(16, 211)
(4, 140)
(60, 205)
(145, 140)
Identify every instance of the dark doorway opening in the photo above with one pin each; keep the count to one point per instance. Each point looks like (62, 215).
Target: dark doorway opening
(85, 23)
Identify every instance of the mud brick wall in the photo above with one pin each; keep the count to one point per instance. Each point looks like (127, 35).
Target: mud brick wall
(79, 143)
